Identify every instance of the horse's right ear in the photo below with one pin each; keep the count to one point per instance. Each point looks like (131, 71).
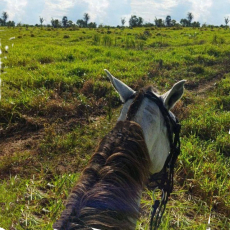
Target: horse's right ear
(124, 91)
(173, 95)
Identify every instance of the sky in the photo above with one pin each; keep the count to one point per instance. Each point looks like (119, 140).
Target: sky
(110, 12)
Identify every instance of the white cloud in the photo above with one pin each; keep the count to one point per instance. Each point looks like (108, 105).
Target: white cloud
(201, 9)
(56, 9)
(149, 9)
(97, 9)
(178, 9)
(15, 9)
(108, 12)
(75, 9)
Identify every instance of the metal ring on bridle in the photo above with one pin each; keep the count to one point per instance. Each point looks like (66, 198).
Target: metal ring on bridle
(162, 194)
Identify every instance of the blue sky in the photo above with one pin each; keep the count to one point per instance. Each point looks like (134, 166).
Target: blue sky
(110, 12)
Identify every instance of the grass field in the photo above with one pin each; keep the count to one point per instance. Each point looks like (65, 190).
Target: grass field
(56, 104)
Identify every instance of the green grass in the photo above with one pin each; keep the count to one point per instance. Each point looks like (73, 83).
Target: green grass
(57, 104)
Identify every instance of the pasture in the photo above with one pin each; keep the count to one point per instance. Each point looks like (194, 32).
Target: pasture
(57, 103)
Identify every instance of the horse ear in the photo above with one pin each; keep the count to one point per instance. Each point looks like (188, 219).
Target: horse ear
(124, 91)
(173, 95)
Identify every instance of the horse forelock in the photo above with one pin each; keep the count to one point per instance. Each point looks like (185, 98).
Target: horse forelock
(150, 88)
(108, 190)
(138, 100)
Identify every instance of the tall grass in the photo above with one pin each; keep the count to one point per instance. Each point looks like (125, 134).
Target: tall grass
(57, 104)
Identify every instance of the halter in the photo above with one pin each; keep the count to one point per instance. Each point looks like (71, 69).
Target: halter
(164, 179)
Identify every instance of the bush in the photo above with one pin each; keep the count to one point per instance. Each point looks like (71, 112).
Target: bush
(107, 40)
(79, 71)
(66, 36)
(213, 52)
(198, 69)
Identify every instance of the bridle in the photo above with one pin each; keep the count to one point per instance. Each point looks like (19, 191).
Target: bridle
(164, 179)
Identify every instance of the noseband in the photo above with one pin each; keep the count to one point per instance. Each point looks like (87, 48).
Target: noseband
(164, 179)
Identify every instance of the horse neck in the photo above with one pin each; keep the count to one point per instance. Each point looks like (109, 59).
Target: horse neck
(109, 191)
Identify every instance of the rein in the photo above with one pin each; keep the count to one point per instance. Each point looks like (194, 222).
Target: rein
(164, 179)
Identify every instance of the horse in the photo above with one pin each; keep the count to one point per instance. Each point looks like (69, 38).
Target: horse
(107, 195)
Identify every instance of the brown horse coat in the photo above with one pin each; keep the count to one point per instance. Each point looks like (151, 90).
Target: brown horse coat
(108, 191)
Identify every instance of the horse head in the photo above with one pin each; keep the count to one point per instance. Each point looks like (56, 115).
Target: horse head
(150, 118)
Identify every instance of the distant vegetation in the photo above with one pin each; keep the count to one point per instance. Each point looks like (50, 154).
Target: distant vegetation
(134, 21)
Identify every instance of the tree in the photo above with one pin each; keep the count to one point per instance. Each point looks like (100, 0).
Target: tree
(190, 17)
(19, 24)
(140, 21)
(204, 25)
(195, 24)
(81, 23)
(148, 24)
(86, 18)
(65, 21)
(226, 20)
(135, 21)
(159, 22)
(55, 23)
(92, 25)
(10, 24)
(70, 23)
(184, 22)
(168, 20)
(4, 17)
(174, 23)
(123, 21)
(41, 20)
(52, 22)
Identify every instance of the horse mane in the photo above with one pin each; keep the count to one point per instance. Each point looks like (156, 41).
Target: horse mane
(107, 193)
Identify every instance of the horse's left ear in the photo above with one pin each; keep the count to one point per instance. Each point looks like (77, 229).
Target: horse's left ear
(173, 95)
(124, 91)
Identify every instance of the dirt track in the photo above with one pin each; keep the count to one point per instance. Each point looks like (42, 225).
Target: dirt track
(29, 137)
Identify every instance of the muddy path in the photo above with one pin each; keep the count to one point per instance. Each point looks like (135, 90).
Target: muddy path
(204, 86)
(27, 139)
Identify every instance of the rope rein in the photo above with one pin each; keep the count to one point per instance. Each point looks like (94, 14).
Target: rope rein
(164, 179)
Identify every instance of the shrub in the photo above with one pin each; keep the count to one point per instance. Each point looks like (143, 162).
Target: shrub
(79, 71)
(142, 36)
(69, 58)
(107, 40)
(223, 144)
(223, 87)
(213, 52)
(46, 60)
(87, 88)
(96, 39)
(66, 36)
(198, 69)
(217, 40)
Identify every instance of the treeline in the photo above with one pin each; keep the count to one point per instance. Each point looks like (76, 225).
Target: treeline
(82, 23)
(3, 20)
(134, 21)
